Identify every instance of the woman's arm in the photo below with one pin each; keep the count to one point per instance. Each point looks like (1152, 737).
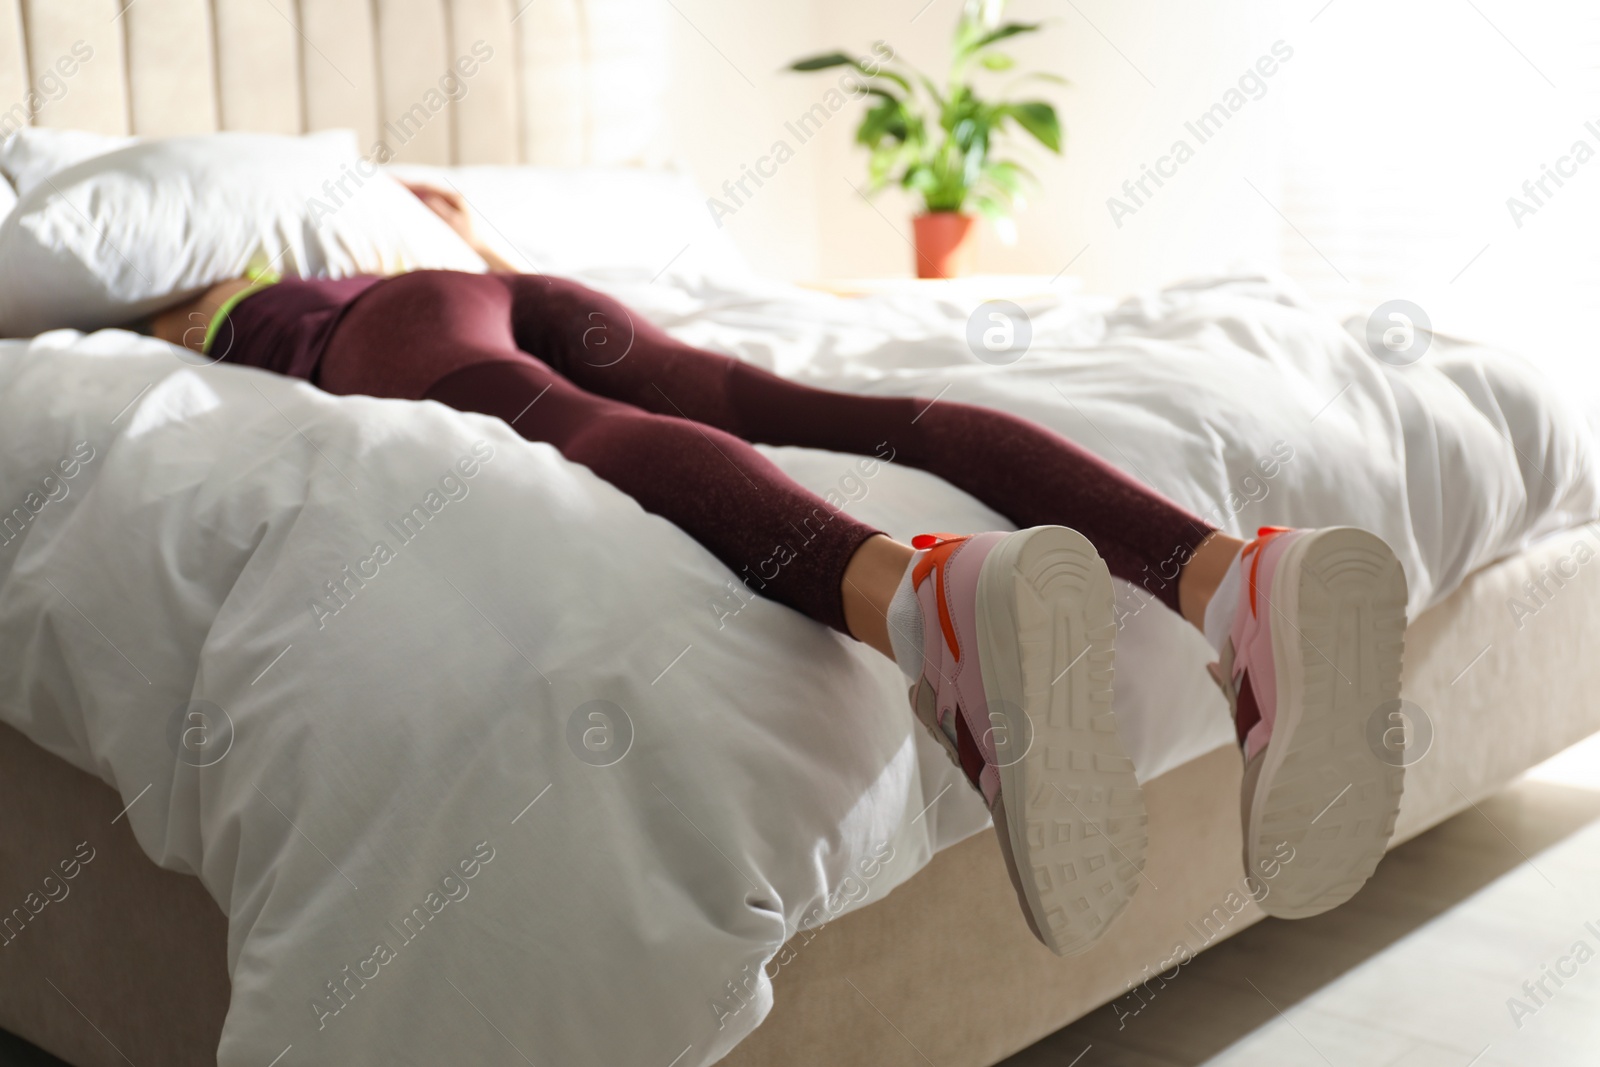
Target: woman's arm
(451, 206)
(186, 324)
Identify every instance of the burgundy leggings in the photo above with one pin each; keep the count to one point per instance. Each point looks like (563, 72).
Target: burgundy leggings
(671, 426)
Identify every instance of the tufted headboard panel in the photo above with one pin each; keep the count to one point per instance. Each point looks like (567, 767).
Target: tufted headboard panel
(559, 82)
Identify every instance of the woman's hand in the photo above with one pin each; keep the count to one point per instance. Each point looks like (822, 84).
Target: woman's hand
(451, 206)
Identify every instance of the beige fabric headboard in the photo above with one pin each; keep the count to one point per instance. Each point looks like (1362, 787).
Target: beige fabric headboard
(559, 82)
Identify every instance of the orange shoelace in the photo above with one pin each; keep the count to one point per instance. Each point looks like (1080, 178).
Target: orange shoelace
(1263, 535)
(938, 547)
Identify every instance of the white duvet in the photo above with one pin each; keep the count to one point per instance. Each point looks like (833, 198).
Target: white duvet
(511, 780)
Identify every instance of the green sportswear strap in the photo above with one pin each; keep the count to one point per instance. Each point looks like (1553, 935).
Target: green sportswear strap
(259, 280)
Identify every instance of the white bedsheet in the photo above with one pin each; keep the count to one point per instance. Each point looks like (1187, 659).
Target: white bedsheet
(621, 914)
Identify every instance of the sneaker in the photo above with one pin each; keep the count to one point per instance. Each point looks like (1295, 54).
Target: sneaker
(1016, 686)
(1314, 651)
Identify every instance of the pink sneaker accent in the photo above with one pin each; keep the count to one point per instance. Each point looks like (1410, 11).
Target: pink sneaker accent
(1016, 685)
(1254, 673)
(1313, 655)
(949, 612)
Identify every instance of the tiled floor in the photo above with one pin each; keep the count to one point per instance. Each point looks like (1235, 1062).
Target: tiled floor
(1417, 971)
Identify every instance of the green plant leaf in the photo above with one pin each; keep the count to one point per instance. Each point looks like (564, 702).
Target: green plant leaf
(825, 61)
(1005, 176)
(990, 208)
(997, 61)
(998, 214)
(920, 179)
(1041, 76)
(887, 119)
(1039, 119)
(884, 72)
(1000, 33)
(967, 133)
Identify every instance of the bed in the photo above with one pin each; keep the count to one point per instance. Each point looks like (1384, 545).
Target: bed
(755, 865)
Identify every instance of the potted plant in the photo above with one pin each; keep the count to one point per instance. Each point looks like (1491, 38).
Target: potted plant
(940, 144)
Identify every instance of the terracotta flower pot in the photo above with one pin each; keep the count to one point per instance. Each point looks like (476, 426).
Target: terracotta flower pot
(946, 241)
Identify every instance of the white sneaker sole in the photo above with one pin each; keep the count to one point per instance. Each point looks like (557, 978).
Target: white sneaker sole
(1075, 814)
(1322, 797)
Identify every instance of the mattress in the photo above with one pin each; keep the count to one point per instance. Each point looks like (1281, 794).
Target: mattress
(398, 628)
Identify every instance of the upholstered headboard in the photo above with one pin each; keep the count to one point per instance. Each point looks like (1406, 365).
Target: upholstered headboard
(431, 81)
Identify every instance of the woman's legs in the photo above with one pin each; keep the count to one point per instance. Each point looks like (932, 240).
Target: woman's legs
(869, 584)
(1012, 664)
(447, 337)
(407, 336)
(1203, 573)
(1029, 474)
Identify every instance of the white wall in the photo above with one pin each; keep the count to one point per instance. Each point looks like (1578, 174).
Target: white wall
(1404, 158)
(727, 102)
(1376, 165)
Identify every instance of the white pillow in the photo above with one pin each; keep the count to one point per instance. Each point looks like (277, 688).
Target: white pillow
(126, 233)
(556, 219)
(8, 198)
(34, 153)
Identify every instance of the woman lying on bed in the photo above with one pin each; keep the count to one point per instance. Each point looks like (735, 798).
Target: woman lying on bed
(1005, 637)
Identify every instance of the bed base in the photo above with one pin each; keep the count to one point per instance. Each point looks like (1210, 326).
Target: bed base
(130, 964)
